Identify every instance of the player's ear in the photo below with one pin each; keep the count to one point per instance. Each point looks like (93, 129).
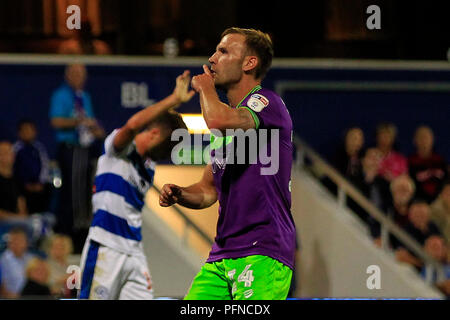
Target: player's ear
(249, 63)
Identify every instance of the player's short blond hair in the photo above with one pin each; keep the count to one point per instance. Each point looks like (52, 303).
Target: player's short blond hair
(258, 43)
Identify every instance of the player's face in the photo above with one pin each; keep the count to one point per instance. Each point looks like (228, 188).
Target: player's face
(147, 139)
(150, 143)
(227, 61)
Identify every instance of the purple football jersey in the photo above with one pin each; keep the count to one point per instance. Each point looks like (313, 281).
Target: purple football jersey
(255, 202)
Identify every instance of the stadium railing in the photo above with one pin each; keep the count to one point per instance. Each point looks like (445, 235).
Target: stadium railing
(346, 189)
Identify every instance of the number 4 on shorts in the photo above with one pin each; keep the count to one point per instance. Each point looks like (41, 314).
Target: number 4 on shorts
(246, 276)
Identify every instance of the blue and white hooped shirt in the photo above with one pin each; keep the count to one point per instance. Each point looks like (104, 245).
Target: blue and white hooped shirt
(121, 182)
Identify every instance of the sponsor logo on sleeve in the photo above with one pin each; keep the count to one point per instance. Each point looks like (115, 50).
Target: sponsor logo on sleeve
(257, 102)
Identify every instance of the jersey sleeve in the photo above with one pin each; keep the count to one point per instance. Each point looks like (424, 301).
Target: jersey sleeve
(264, 110)
(109, 146)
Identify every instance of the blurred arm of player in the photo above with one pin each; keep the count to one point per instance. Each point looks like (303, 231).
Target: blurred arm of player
(219, 115)
(200, 195)
(143, 118)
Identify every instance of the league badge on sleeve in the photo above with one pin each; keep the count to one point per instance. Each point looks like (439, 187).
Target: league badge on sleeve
(257, 102)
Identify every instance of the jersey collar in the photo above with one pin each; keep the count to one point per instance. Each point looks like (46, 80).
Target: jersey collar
(255, 89)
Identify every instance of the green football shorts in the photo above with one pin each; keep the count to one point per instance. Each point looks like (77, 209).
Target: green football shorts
(254, 277)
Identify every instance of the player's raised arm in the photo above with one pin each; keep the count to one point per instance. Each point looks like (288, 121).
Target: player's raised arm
(200, 195)
(219, 115)
(143, 118)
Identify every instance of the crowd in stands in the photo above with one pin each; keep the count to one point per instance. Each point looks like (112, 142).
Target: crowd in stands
(33, 258)
(414, 191)
(29, 267)
(43, 220)
(27, 272)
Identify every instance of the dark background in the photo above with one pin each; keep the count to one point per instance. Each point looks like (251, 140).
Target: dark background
(410, 30)
(415, 29)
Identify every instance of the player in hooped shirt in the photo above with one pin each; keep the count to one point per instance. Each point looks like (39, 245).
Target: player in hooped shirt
(113, 262)
(254, 249)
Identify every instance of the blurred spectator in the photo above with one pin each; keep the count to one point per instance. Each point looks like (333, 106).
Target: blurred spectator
(71, 110)
(402, 192)
(348, 158)
(31, 167)
(37, 273)
(369, 181)
(60, 248)
(426, 167)
(73, 119)
(13, 262)
(420, 227)
(436, 248)
(83, 42)
(440, 211)
(12, 203)
(13, 206)
(393, 163)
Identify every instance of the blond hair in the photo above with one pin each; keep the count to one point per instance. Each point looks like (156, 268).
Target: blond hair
(258, 43)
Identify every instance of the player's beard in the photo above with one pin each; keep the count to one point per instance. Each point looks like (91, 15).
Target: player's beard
(232, 76)
(229, 83)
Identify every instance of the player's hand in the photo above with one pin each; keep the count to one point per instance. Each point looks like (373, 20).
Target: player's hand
(170, 194)
(204, 80)
(181, 91)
